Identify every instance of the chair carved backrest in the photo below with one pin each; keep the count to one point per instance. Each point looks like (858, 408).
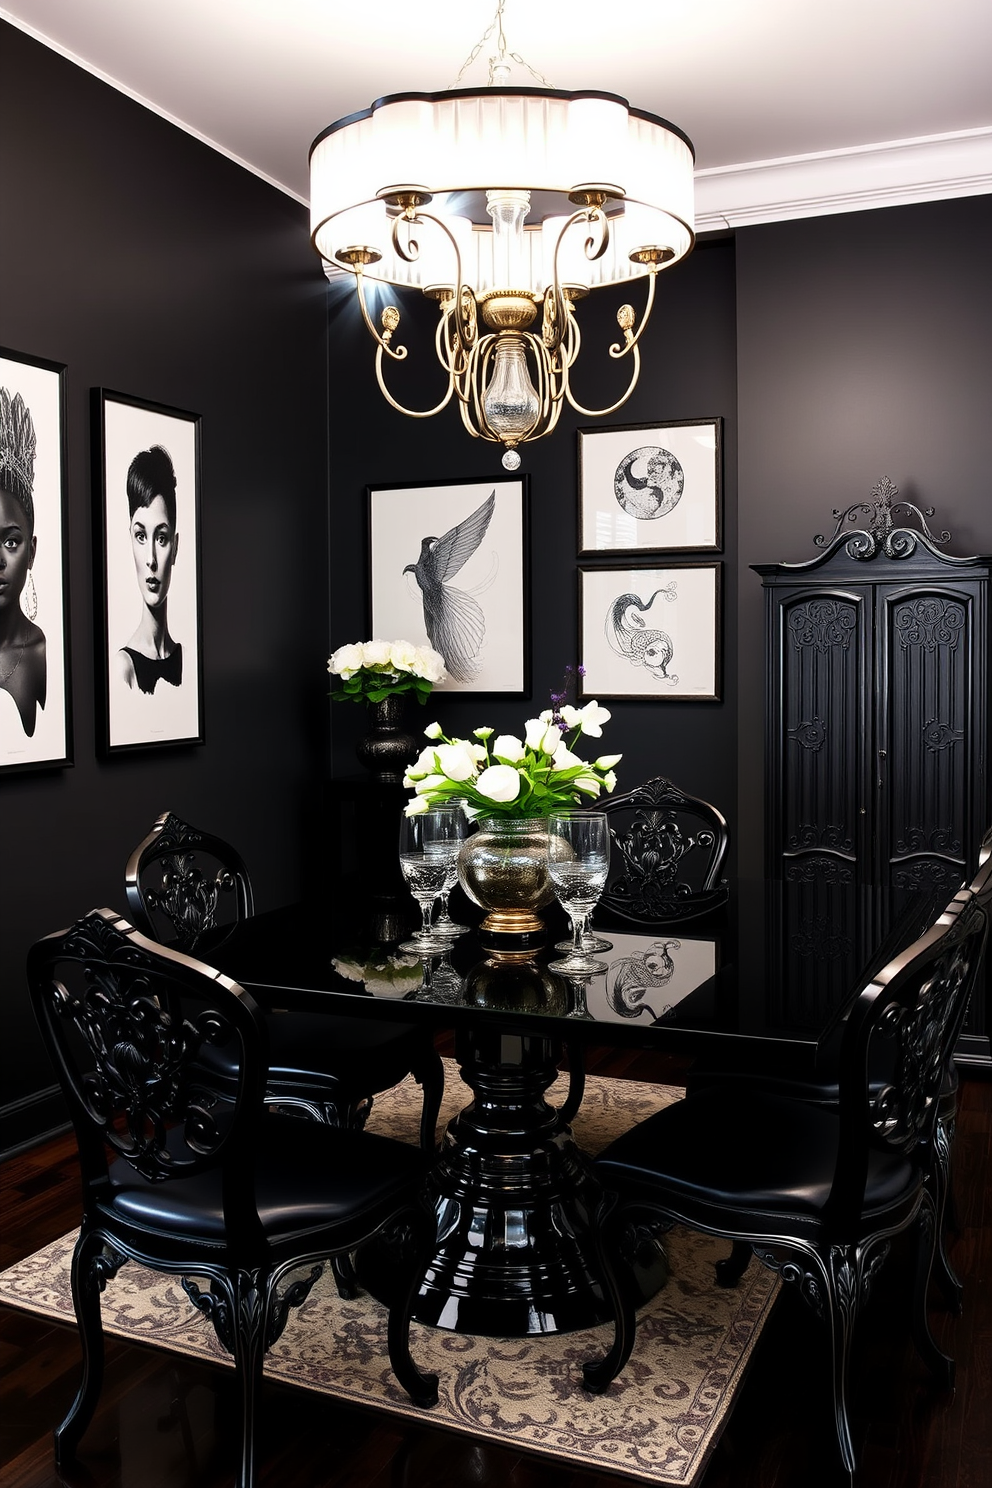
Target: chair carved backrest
(897, 1043)
(125, 1022)
(184, 885)
(668, 849)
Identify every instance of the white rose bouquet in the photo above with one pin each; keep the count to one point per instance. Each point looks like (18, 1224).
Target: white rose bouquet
(511, 777)
(373, 670)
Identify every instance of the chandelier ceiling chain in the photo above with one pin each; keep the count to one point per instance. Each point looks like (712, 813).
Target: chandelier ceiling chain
(506, 206)
(499, 72)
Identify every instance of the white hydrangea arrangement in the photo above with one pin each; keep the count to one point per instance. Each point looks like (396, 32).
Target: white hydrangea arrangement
(510, 777)
(373, 670)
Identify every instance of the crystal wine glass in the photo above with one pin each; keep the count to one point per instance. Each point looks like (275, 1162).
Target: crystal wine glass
(425, 862)
(444, 924)
(578, 862)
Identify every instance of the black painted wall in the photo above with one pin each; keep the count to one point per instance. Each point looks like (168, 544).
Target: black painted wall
(150, 264)
(864, 349)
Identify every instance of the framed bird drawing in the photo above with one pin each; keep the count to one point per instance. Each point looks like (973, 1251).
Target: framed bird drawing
(448, 567)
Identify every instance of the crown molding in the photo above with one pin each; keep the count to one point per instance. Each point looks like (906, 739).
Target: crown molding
(892, 174)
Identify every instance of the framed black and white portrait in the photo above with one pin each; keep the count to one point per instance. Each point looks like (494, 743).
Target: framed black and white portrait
(651, 633)
(149, 559)
(448, 568)
(651, 487)
(35, 725)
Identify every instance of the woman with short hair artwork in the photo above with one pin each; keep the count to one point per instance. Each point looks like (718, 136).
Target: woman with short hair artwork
(23, 662)
(151, 655)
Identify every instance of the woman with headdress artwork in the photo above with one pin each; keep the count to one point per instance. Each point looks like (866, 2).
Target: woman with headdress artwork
(152, 655)
(23, 659)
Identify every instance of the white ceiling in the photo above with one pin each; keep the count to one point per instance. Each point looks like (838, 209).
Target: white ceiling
(747, 80)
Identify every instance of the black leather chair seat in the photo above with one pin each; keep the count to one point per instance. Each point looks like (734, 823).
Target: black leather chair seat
(294, 1165)
(763, 1154)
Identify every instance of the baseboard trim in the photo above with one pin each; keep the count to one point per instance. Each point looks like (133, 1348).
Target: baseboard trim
(32, 1119)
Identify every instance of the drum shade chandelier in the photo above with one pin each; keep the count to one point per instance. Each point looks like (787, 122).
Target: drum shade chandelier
(506, 206)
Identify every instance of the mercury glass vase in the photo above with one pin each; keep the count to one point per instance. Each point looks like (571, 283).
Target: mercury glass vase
(503, 868)
(387, 748)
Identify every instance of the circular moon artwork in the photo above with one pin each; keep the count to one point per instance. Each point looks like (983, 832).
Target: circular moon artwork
(649, 482)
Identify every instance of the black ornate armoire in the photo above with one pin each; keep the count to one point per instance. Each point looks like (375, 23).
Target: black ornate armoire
(877, 719)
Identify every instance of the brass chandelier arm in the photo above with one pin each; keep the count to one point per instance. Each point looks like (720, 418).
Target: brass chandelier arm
(462, 311)
(625, 320)
(390, 320)
(601, 412)
(401, 407)
(557, 311)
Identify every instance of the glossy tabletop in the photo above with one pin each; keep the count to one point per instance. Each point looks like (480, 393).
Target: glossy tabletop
(778, 961)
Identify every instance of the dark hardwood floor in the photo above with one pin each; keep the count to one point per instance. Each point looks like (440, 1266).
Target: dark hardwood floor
(164, 1422)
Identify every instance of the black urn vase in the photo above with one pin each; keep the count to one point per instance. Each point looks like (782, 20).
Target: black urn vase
(387, 748)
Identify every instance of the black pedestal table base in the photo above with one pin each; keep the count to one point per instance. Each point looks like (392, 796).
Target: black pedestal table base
(516, 1205)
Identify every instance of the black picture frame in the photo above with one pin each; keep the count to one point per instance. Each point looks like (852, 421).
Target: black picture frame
(651, 632)
(150, 700)
(35, 690)
(628, 504)
(407, 525)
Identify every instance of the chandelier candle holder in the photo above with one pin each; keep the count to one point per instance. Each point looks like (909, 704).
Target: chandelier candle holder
(506, 206)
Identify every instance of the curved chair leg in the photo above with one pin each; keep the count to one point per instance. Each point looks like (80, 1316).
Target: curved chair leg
(935, 1359)
(944, 1273)
(345, 1279)
(93, 1264)
(249, 1312)
(730, 1270)
(576, 1082)
(429, 1074)
(598, 1373)
(842, 1286)
(421, 1387)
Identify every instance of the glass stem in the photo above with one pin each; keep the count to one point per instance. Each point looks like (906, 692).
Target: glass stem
(578, 925)
(426, 906)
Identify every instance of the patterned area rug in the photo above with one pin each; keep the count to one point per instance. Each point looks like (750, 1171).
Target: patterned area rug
(657, 1423)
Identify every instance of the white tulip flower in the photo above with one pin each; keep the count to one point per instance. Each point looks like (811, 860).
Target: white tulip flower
(564, 759)
(499, 783)
(592, 718)
(508, 747)
(607, 761)
(534, 731)
(433, 731)
(456, 761)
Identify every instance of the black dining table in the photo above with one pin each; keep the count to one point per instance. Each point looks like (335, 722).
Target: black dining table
(764, 975)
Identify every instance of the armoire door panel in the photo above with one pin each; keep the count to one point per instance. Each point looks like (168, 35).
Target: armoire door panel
(825, 658)
(926, 776)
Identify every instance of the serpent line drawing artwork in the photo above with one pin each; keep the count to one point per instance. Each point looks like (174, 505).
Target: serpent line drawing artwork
(454, 619)
(629, 635)
(631, 978)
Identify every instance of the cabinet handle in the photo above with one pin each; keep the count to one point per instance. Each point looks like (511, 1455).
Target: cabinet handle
(881, 768)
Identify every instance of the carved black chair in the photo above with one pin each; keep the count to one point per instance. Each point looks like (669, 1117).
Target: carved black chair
(189, 889)
(818, 1192)
(823, 1089)
(667, 853)
(198, 1178)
